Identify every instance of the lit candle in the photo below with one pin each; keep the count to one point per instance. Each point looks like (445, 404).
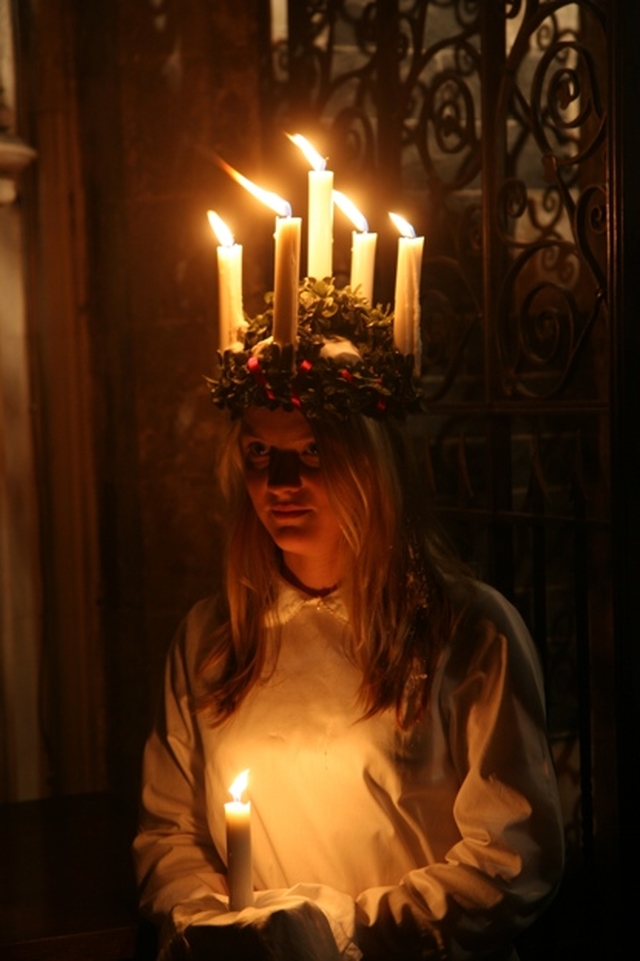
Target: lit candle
(287, 272)
(287, 259)
(320, 212)
(229, 282)
(238, 822)
(406, 319)
(363, 250)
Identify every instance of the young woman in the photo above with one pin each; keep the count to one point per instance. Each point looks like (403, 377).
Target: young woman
(389, 709)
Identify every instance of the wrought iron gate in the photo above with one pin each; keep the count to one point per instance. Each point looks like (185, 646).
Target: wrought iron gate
(488, 122)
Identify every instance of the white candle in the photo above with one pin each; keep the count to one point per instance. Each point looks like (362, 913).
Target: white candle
(287, 259)
(363, 255)
(406, 319)
(363, 250)
(238, 823)
(320, 212)
(287, 274)
(231, 315)
(320, 228)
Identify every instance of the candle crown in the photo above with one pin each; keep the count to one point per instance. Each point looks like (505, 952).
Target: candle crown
(343, 362)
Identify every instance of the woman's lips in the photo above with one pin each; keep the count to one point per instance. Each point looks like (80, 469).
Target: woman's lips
(288, 511)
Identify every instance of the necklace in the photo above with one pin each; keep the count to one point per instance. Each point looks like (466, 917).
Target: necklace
(291, 578)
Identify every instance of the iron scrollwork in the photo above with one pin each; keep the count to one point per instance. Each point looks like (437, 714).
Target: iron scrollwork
(550, 215)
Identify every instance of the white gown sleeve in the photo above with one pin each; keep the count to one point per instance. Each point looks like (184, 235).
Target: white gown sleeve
(507, 865)
(179, 871)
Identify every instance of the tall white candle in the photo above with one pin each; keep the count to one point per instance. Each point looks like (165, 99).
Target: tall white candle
(363, 255)
(320, 212)
(363, 250)
(287, 275)
(287, 258)
(231, 315)
(238, 823)
(406, 320)
(320, 228)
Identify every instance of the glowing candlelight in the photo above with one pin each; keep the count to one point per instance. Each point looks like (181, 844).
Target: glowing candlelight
(231, 319)
(287, 258)
(238, 822)
(363, 250)
(320, 211)
(406, 321)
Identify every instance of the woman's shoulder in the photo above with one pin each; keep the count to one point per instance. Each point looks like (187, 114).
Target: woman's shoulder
(196, 632)
(476, 602)
(206, 613)
(488, 626)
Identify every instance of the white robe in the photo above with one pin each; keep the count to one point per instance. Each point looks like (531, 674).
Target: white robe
(442, 842)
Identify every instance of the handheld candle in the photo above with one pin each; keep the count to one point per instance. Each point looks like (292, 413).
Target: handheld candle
(238, 823)
(363, 250)
(320, 211)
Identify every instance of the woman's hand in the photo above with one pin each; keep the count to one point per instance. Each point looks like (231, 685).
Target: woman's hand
(306, 923)
(298, 931)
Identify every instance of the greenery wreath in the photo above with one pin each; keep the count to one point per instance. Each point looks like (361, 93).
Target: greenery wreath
(344, 361)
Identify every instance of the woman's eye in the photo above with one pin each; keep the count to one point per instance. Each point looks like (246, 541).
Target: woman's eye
(311, 453)
(256, 454)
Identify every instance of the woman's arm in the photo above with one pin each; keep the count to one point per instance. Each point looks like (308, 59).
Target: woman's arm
(507, 865)
(179, 871)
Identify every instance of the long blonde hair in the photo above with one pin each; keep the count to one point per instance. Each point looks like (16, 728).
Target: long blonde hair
(395, 585)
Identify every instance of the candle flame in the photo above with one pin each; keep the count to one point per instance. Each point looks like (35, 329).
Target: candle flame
(239, 785)
(269, 199)
(347, 207)
(317, 162)
(220, 229)
(403, 225)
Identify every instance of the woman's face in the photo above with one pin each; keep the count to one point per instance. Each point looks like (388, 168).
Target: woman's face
(286, 486)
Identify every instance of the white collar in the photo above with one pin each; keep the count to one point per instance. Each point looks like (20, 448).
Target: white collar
(290, 601)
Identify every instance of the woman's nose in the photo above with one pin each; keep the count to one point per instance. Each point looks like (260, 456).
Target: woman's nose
(284, 469)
